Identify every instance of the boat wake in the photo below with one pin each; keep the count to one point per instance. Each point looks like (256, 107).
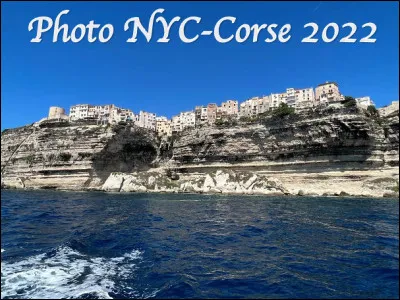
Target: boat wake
(65, 273)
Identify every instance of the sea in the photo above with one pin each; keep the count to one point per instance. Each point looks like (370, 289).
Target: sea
(85, 245)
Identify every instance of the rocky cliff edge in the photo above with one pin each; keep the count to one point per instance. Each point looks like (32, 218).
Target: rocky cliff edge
(317, 152)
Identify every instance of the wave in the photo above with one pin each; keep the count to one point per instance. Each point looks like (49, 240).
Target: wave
(65, 273)
(2, 250)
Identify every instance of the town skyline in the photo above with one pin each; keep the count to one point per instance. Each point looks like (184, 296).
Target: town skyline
(364, 100)
(170, 115)
(172, 77)
(325, 94)
(235, 99)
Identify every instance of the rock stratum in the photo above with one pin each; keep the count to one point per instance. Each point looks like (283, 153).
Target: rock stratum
(326, 151)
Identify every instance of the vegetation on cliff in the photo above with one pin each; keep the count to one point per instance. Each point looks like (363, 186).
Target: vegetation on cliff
(317, 140)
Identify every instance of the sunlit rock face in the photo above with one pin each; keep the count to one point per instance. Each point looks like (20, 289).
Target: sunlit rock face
(346, 137)
(73, 157)
(316, 152)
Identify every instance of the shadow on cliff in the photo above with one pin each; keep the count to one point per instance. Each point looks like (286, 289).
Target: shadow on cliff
(345, 138)
(130, 149)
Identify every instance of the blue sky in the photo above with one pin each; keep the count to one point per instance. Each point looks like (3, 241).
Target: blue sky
(166, 78)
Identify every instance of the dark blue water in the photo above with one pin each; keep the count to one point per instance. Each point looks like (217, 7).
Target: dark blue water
(85, 245)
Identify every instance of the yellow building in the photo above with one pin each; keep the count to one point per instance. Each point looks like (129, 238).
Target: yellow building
(163, 126)
(327, 92)
(56, 112)
(230, 108)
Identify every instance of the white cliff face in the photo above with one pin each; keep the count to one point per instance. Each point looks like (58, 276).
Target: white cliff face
(114, 182)
(72, 157)
(221, 181)
(319, 153)
(378, 183)
(326, 139)
(208, 183)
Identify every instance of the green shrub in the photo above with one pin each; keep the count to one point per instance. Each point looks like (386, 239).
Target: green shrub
(283, 110)
(12, 148)
(265, 114)
(50, 157)
(396, 188)
(349, 101)
(247, 119)
(234, 122)
(219, 122)
(64, 156)
(30, 159)
(84, 154)
(373, 111)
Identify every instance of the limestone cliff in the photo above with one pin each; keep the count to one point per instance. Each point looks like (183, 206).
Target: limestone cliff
(58, 155)
(323, 151)
(336, 139)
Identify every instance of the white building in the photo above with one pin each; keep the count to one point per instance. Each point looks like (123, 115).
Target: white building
(297, 98)
(188, 119)
(201, 115)
(304, 98)
(80, 111)
(389, 109)
(277, 99)
(183, 120)
(291, 97)
(161, 119)
(255, 106)
(146, 120)
(364, 102)
(263, 104)
(204, 115)
(102, 113)
(176, 124)
(117, 115)
(248, 108)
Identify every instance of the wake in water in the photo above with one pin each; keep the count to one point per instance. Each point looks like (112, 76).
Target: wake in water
(65, 273)
(221, 247)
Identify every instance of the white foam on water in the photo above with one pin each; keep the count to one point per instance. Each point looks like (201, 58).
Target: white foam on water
(2, 250)
(66, 274)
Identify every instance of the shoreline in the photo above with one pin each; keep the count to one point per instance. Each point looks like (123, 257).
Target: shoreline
(380, 183)
(340, 153)
(393, 195)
